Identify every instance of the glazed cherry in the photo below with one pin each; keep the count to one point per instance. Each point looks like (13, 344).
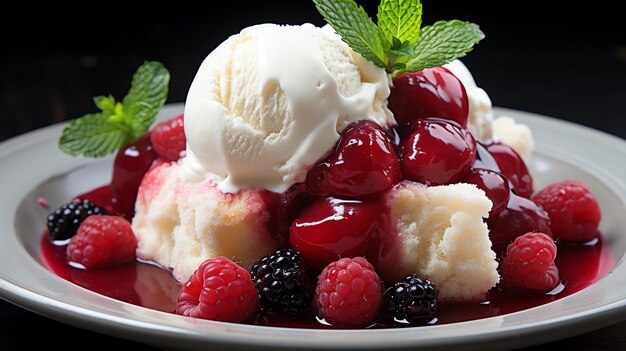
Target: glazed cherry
(131, 163)
(436, 152)
(495, 186)
(484, 159)
(332, 228)
(520, 216)
(432, 92)
(365, 161)
(513, 167)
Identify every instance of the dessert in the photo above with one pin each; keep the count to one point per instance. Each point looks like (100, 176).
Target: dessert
(344, 176)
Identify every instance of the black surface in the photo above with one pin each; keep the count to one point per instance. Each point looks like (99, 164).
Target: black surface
(553, 58)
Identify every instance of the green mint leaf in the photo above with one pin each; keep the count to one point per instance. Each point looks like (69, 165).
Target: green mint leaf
(105, 103)
(442, 43)
(400, 19)
(147, 94)
(405, 50)
(93, 135)
(355, 27)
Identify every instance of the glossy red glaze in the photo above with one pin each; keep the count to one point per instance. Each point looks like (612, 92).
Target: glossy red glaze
(495, 186)
(513, 167)
(153, 287)
(436, 152)
(332, 228)
(365, 161)
(518, 218)
(433, 92)
(131, 163)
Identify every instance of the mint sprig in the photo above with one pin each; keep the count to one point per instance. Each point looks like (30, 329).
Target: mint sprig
(355, 27)
(405, 45)
(119, 123)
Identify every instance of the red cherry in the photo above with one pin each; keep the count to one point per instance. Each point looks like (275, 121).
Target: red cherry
(436, 152)
(131, 163)
(495, 186)
(513, 167)
(520, 216)
(332, 228)
(484, 159)
(365, 161)
(433, 92)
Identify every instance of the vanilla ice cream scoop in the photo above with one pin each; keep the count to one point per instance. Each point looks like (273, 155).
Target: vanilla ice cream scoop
(270, 102)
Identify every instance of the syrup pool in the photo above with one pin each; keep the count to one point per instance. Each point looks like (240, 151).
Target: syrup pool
(145, 284)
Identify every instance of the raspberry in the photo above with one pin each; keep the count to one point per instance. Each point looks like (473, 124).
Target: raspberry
(529, 263)
(102, 241)
(348, 292)
(412, 301)
(218, 290)
(282, 282)
(573, 210)
(168, 139)
(65, 220)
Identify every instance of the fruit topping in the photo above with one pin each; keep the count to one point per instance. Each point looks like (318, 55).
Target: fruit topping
(529, 263)
(282, 281)
(520, 216)
(495, 186)
(484, 159)
(365, 161)
(348, 293)
(332, 228)
(573, 210)
(168, 139)
(436, 152)
(412, 301)
(432, 92)
(513, 167)
(65, 220)
(131, 163)
(219, 290)
(102, 241)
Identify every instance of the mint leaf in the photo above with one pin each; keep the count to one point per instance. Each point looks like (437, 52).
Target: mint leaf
(119, 123)
(442, 43)
(93, 135)
(355, 27)
(147, 94)
(105, 103)
(400, 19)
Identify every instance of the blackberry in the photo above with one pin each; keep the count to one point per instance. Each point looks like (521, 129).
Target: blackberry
(412, 301)
(282, 282)
(65, 220)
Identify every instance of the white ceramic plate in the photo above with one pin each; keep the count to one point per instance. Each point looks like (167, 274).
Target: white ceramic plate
(31, 166)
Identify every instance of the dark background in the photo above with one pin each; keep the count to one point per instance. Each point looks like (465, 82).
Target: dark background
(555, 58)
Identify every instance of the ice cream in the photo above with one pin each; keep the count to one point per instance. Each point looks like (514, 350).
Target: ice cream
(271, 101)
(444, 238)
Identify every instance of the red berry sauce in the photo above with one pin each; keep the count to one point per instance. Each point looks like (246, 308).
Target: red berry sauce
(148, 285)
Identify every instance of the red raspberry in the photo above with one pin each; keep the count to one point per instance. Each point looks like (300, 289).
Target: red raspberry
(102, 241)
(168, 139)
(573, 210)
(219, 290)
(349, 292)
(529, 263)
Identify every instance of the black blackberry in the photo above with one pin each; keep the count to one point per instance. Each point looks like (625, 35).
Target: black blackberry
(282, 282)
(65, 220)
(413, 300)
